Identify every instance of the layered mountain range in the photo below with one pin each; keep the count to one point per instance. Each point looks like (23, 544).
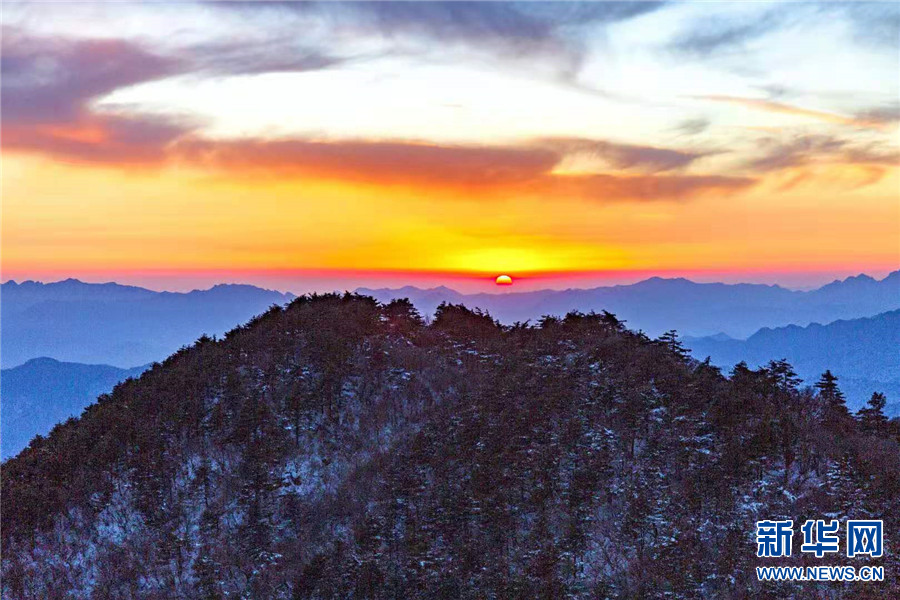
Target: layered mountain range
(122, 326)
(114, 324)
(863, 353)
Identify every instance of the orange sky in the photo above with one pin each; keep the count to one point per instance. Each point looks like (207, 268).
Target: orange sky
(126, 164)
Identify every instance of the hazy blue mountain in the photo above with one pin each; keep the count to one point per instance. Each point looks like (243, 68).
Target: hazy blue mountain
(863, 353)
(697, 309)
(115, 324)
(43, 392)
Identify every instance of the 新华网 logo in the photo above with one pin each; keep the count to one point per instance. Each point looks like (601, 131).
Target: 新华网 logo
(820, 537)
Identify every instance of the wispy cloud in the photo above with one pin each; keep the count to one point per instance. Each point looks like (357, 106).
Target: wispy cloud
(862, 120)
(52, 80)
(547, 32)
(650, 159)
(799, 155)
(647, 188)
(47, 88)
(248, 58)
(693, 126)
(717, 36)
(874, 23)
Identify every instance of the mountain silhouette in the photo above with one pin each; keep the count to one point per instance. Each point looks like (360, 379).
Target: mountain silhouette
(863, 353)
(43, 392)
(116, 324)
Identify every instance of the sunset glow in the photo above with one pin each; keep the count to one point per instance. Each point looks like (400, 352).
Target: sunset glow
(588, 146)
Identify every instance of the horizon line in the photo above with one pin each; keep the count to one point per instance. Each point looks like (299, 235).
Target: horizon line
(429, 275)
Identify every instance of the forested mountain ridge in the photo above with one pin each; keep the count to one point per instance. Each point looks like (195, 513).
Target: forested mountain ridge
(338, 448)
(864, 353)
(43, 392)
(659, 304)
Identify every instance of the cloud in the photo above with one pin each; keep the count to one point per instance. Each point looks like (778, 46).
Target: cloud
(646, 188)
(860, 121)
(51, 80)
(805, 150)
(874, 23)
(50, 84)
(249, 58)
(385, 163)
(100, 139)
(47, 88)
(693, 126)
(518, 31)
(626, 156)
(489, 171)
(886, 114)
(717, 36)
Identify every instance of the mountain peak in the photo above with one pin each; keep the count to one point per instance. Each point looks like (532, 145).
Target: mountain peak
(851, 281)
(41, 361)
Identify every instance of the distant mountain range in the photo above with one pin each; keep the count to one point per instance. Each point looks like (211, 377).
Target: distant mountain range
(697, 309)
(44, 392)
(112, 324)
(863, 353)
(116, 324)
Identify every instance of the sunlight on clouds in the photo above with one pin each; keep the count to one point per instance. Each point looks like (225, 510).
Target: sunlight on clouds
(390, 99)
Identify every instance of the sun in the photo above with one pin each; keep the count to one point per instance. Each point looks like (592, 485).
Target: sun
(503, 280)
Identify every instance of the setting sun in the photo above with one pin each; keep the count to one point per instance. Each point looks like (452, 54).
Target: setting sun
(503, 280)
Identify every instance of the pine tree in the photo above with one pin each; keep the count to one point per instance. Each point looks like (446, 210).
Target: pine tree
(871, 416)
(783, 374)
(834, 405)
(670, 340)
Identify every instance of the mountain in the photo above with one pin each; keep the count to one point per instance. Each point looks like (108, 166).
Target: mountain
(695, 309)
(863, 353)
(338, 448)
(116, 324)
(43, 392)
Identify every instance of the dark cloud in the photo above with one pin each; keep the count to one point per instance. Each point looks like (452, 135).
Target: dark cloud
(51, 80)
(510, 30)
